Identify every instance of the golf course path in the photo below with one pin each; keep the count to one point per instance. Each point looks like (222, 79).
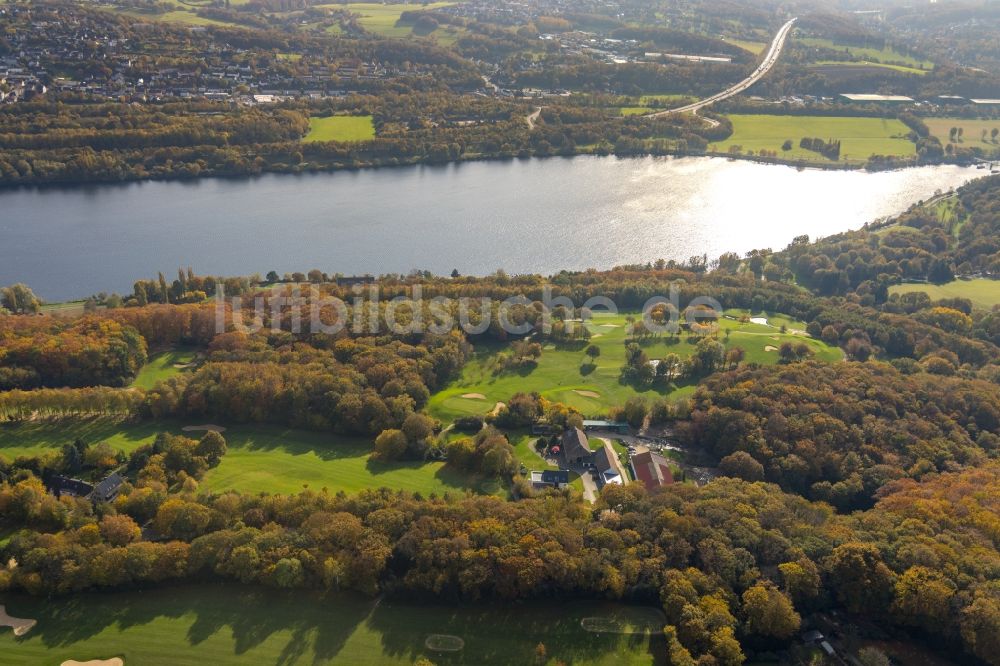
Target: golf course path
(770, 59)
(533, 118)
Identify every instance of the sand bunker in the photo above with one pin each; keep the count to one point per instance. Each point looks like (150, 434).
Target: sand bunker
(208, 427)
(184, 366)
(770, 348)
(20, 627)
(474, 396)
(114, 661)
(444, 643)
(587, 394)
(596, 335)
(610, 325)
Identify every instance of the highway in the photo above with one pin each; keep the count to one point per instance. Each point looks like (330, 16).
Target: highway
(762, 69)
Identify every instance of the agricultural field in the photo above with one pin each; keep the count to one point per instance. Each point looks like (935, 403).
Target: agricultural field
(177, 16)
(163, 366)
(564, 372)
(752, 46)
(384, 19)
(982, 292)
(67, 309)
(259, 458)
(828, 65)
(860, 137)
(340, 128)
(972, 132)
(884, 56)
(195, 625)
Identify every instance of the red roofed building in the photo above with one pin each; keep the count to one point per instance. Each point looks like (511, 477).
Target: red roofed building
(651, 470)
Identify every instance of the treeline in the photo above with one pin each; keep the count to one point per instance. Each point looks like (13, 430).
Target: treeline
(412, 129)
(47, 352)
(634, 78)
(735, 565)
(876, 425)
(358, 386)
(829, 149)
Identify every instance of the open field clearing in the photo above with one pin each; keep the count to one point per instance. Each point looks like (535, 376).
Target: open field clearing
(860, 137)
(163, 366)
(982, 292)
(259, 458)
(753, 47)
(177, 16)
(885, 55)
(384, 19)
(565, 373)
(341, 128)
(228, 624)
(972, 132)
(834, 64)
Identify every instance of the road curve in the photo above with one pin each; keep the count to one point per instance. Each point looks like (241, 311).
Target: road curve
(762, 69)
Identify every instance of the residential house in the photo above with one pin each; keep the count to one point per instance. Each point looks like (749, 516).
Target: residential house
(108, 489)
(550, 478)
(574, 447)
(652, 470)
(609, 468)
(63, 485)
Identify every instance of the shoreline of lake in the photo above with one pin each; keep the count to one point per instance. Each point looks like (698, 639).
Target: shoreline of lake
(376, 166)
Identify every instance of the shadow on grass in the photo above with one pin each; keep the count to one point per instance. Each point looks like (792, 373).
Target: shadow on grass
(54, 433)
(246, 616)
(224, 623)
(508, 633)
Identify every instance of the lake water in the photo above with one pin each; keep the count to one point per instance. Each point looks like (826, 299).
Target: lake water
(521, 215)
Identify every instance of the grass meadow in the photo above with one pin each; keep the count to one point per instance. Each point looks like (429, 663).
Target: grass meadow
(982, 292)
(972, 132)
(834, 64)
(341, 128)
(860, 137)
(383, 19)
(223, 624)
(883, 55)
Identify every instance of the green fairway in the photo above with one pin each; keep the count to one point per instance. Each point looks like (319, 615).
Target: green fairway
(982, 292)
(564, 373)
(860, 137)
(285, 461)
(341, 128)
(972, 132)
(259, 458)
(38, 437)
(162, 366)
(228, 624)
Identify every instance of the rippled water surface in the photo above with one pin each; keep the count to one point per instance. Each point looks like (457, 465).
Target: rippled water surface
(522, 216)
